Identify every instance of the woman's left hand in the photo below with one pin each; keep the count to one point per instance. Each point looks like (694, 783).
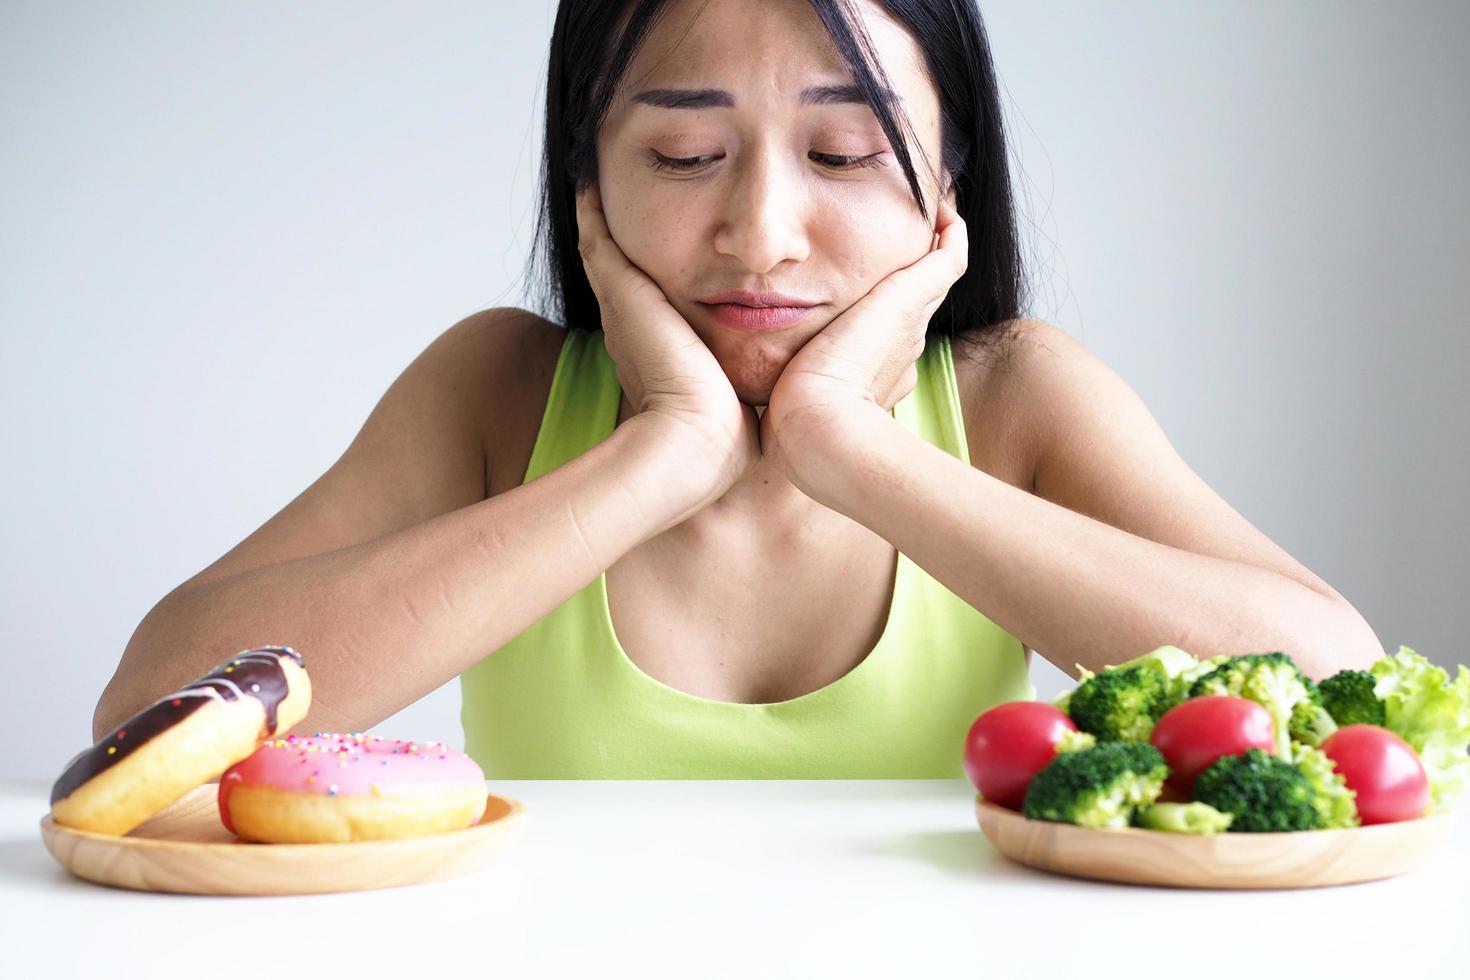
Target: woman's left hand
(850, 374)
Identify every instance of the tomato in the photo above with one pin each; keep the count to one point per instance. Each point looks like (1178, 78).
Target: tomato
(1194, 733)
(1009, 744)
(1382, 769)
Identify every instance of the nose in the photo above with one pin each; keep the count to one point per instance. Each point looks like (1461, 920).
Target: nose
(762, 222)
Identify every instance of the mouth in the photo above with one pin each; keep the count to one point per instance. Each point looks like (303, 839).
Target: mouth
(749, 311)
(757, 319)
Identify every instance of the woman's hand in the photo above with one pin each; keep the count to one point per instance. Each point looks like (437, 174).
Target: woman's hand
(663, 366)
(852, 373)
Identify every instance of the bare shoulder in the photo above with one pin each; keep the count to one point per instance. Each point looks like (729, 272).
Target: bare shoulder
(1032, 393)
(520, 353)
(1091, 444)
(488, 362)
(994, 376)
(424, 450)
(1056, 392)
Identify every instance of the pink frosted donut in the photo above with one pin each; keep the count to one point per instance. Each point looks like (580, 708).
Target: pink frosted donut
(331, 788)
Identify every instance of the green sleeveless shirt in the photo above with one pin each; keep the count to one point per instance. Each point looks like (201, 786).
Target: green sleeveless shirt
(563, 700)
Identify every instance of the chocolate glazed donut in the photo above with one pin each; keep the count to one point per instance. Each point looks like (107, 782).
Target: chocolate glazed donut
(208, 745)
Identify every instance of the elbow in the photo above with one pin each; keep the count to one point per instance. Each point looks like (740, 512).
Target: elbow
(102, 719)
(105, 716)
(110, 711)
(1341, 640)
(113, 703)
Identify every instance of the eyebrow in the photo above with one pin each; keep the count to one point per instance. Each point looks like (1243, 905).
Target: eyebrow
(716, 98)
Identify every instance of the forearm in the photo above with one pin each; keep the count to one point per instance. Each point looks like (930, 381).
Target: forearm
(1076, 589)
(383, 623)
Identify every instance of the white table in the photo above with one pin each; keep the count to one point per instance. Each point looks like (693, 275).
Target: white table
(724, 879)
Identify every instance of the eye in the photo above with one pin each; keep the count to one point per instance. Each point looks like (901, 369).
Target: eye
(848, 163)
(689, 164)
(678, 164)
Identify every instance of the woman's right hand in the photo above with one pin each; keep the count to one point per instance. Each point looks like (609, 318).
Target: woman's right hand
(664, 368)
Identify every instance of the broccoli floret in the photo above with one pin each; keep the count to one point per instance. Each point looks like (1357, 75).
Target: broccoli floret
(1097, 787)
(1348, 696)
(1336, 804)
(1263, 792)
(1183, 682)
(1179, 668)
(1273, 681)
(1176, 665)
(1076, 741)
(1182, 818)
(1310, 722)
(1122, 703)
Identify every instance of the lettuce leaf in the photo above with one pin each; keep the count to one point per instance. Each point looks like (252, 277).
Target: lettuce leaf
(1432, 714)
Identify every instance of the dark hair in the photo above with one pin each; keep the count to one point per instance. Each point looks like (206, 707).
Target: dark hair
(588, 59)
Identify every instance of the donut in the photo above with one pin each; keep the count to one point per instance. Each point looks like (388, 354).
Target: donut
(182, 740)
(333, 788)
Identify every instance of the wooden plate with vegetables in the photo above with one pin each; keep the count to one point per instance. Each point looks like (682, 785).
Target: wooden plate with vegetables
(1234, 772)
(1288, 859)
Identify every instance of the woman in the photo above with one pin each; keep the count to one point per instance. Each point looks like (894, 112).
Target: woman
(830, 520)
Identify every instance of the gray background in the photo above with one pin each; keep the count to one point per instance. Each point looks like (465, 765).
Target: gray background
(226, 228)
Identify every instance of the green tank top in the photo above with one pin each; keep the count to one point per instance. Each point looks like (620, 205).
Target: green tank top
(563, 700)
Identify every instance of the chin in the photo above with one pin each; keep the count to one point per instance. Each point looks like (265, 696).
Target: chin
(755, 399)
(754, 363)
(753, 372)
(753, 391)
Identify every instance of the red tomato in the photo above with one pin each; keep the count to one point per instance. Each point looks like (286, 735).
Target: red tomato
(1383, 770)
(1009, 744)
(1194, 733)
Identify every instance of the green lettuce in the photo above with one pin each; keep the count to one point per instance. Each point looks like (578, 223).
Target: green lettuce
(1432, 713)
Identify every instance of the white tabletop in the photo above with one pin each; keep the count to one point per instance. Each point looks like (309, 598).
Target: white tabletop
(730, 878)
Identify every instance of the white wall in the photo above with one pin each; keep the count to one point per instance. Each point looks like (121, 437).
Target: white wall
(226, 228)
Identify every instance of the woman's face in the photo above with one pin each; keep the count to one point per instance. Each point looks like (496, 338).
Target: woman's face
(774, 200)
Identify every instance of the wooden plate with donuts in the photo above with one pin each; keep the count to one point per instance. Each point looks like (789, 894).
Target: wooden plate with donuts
(197, 793)
(187, 849)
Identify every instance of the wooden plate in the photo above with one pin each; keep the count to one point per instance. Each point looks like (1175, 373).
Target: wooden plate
(186, 848)
(1303, 859)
